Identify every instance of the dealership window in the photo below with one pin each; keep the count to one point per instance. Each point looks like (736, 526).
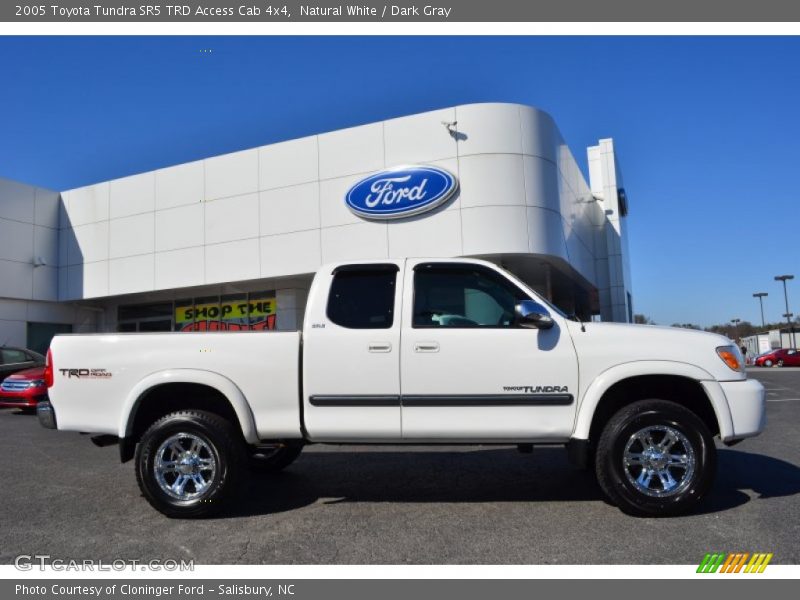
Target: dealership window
(39, 335)
(184, 316)
(630, 307)
(233, 312)
(455, 296)
(261, 311)
(145, 317)
(206, 313)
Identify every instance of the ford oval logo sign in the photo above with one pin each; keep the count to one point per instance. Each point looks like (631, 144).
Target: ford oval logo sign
(401, 192)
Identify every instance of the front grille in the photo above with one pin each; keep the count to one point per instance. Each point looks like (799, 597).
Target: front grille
(14, 386)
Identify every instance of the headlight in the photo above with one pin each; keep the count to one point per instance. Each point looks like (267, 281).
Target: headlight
(731, 356)
(36, 383)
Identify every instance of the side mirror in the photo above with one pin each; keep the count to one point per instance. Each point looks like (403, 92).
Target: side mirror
(533, 315)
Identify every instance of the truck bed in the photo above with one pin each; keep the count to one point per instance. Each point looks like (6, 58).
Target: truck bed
(99, 377)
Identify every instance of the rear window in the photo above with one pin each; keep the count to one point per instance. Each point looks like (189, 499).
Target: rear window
(13, 356)
(363, 298)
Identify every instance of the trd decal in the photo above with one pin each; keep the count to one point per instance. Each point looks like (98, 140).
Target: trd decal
(85, 373)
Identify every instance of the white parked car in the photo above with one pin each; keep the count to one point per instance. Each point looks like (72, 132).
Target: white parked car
(411, 351)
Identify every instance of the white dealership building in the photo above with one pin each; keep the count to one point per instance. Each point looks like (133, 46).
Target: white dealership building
(231, 242)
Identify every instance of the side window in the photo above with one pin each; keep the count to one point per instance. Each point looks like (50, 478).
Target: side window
(11, 357)
(454, 296)
(363, 298)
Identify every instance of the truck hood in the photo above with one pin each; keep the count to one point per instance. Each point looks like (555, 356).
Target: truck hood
(611, 344)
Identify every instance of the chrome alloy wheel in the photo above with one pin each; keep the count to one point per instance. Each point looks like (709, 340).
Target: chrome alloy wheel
(184, 466)
(659, 461)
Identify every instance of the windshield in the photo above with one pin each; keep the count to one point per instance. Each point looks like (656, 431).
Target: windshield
(540, 298)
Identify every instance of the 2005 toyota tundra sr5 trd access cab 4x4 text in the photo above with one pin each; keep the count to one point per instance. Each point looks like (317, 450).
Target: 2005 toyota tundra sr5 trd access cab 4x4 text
(410, 352)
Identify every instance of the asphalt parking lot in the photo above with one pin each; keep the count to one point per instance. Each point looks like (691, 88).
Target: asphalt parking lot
(64, 497)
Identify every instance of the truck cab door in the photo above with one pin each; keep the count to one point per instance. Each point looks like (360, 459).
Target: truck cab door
(469, 370)
(351, 354)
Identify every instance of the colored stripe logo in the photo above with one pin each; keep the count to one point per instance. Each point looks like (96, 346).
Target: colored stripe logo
(734, 562)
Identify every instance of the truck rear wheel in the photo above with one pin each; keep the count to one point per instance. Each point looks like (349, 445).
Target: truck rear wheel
(655, 458)
(275, 457)
(190, 463)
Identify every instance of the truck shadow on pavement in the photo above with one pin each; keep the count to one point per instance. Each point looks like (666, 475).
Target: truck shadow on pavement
(482, 475)
(744, 476)
(476, 474)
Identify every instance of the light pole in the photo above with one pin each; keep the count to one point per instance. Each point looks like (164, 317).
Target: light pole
(787, 314)
(760, 296)
(736, 327)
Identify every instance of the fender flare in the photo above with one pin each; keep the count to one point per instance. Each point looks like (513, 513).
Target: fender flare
(603, 382)
(222, 384)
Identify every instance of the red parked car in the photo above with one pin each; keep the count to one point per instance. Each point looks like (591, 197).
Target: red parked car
(785, 357)
(23, 389)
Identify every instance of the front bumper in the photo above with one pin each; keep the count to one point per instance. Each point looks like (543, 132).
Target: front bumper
(748, 407)
(10, 400)
(46, 414)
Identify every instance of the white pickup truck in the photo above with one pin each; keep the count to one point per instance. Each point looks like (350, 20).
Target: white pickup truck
(413, 351)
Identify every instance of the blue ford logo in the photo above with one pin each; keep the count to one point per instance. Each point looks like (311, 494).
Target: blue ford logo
(401, 192)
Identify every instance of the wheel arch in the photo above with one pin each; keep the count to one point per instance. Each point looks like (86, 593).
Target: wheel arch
(682, 383)
(153, 397)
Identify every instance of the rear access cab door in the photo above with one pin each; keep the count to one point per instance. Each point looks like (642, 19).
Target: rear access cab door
(351, 353)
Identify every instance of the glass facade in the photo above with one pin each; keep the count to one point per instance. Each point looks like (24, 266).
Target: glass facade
(233, 312)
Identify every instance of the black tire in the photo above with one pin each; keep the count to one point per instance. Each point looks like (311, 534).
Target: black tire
(222, 443)
(622, 484)
(274, 459)
(767, 363)
(780, 362)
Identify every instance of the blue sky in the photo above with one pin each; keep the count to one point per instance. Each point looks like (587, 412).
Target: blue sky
(707, 129)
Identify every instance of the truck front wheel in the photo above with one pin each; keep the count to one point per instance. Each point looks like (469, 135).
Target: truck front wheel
(655, 458)
(190, 463)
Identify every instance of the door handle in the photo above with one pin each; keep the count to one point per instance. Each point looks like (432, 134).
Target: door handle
(426, 347)
(380, 347)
